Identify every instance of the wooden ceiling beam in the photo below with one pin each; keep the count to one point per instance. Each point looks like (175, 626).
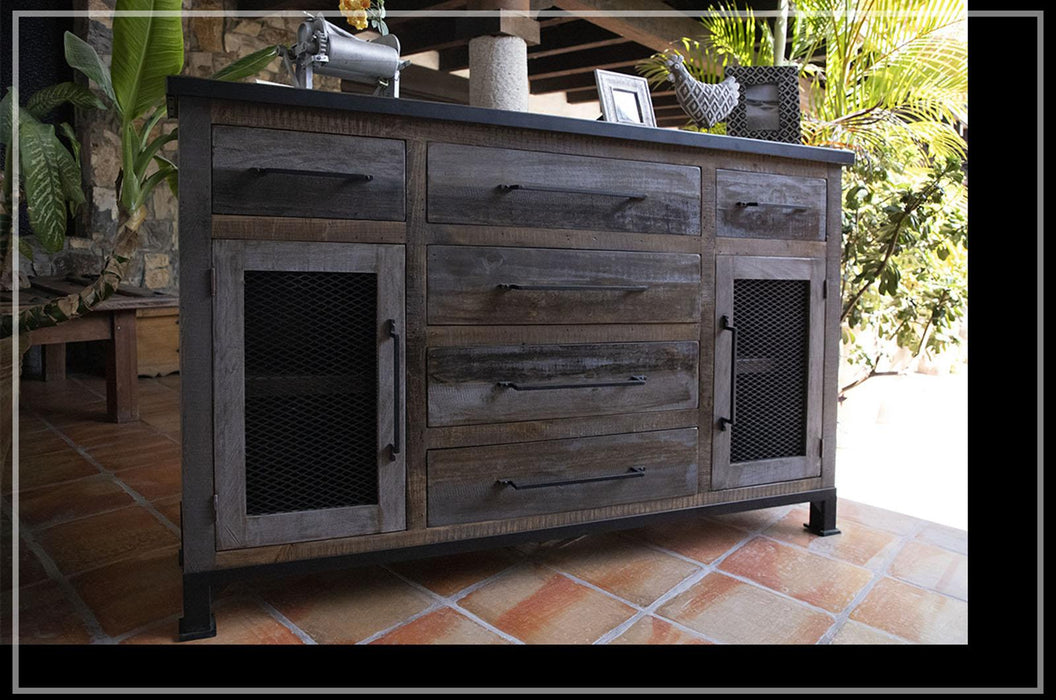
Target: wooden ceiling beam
(575, 35)
(605, 58)
(658, 33)
(541, 86)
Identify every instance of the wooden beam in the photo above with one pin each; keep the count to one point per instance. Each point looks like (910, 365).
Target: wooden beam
(605, 57)
(572, 36)
(542, 86)
(658, 33)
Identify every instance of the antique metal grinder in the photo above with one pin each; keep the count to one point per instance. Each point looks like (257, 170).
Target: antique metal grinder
(329, 50)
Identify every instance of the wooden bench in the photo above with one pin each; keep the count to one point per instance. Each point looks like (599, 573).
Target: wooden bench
(113, 320)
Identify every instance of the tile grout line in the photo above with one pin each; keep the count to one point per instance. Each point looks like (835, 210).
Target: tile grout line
(433, 606)
(879, 574)
(95, 629)
(137, 497)
(452, 600)
(283, 620)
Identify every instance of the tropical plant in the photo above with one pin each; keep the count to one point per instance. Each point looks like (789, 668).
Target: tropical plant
(147, 48)
(886, 79)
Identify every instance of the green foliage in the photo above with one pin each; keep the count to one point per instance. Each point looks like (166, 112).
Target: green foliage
(905, 257)
(147, 48)
(885, 79)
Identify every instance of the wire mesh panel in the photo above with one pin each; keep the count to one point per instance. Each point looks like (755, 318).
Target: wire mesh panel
(310, 390)
(772, 317)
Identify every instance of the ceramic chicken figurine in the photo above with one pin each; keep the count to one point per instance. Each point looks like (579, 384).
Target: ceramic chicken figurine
(706, 103)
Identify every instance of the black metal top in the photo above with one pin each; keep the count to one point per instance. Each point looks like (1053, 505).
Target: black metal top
(182, 86)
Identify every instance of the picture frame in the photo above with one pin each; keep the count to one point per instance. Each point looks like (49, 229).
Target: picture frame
(624, 98)
(768, 105)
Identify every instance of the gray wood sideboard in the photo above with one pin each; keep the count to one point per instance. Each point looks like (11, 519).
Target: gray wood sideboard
(410, 328)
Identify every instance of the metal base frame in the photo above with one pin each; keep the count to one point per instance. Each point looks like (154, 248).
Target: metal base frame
(823, 516)
(198, 621)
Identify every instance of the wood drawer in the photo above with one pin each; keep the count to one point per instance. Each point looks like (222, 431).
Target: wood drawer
(508, 481)
(500, 384)
(468, 185)
(476, 284)
(273, 172)
(765, 205)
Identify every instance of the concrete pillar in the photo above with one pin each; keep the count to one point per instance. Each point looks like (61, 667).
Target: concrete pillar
(498, 72)
(498, 58)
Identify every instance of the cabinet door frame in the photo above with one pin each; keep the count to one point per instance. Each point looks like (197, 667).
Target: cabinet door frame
(727, 475)
(231, 258)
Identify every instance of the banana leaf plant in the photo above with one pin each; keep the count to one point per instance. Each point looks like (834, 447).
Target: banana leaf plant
(147, 48)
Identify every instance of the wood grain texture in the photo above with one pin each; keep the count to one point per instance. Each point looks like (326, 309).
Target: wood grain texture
(236, 527)
(833, 308)
(469, 285)
(575, 231)
(311, 191)
(556, 334)
(532, 430)
(196, 339)
(122, 396)
(725, 473)
(278, 228)
(464, 188)
(766, 205)
(157, 342)
(465, 384)
(524, 235)
(416, 333)
(90, 327)
(448, 533)
(464, 484)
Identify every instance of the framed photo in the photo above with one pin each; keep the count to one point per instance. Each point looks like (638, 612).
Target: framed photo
(768, 107)
(624, 98)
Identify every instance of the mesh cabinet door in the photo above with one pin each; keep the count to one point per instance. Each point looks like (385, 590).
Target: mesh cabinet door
(308, 391)
(769, 335)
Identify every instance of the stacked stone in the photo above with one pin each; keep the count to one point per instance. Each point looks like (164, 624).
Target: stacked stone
(210, 43)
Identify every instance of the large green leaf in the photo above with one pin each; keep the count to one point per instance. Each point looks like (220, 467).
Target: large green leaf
(47, 99)
(247, 65)
(80, 55)
(42, 180)
(148, 47)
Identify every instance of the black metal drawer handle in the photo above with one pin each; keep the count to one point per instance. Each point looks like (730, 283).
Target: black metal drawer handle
(725, 423)
(775, 205)
(632, 473)
(350, 177)
(573, 287)
(571, 190)
(633, 381)
(396, 390)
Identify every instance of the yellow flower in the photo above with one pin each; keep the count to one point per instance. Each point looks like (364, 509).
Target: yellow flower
(355, 11)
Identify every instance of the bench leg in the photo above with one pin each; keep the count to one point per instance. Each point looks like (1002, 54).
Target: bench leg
(122, 400)
(54, 362)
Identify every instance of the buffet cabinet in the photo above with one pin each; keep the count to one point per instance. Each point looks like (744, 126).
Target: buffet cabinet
(410, 329)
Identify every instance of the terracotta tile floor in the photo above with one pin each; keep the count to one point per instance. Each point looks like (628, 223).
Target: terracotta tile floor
(99, 534)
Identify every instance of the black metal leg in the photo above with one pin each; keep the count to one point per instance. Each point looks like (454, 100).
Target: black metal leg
(197, 621)
(823, 517)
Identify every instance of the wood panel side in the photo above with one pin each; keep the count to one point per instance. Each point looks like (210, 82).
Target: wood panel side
(196, 337)
(415, 282)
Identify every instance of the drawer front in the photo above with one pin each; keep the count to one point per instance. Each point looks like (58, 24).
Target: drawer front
(491, 285)
(508, 481)
(508, 383)
(504, 187)
(764, 205)
(272, 172)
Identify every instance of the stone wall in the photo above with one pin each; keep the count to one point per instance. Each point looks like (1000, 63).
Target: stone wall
(210, 43)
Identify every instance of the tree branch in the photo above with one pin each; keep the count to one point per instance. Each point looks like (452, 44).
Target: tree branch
(72, 306)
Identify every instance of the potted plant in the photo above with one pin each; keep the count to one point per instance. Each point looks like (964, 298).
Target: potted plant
(147, 48)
